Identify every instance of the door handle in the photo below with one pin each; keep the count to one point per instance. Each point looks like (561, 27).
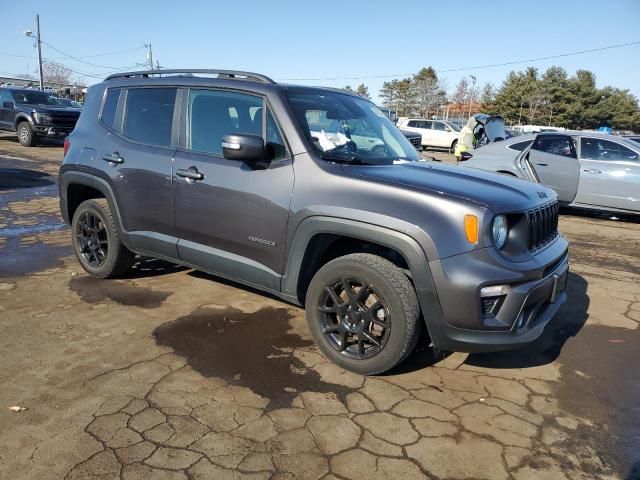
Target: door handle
(543, 164)
(592, 170)
(113, 158)
(191, 174)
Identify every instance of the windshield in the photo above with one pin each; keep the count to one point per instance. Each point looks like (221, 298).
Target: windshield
(64, 102)
(345, 128)
(454, 126)
(34, 97)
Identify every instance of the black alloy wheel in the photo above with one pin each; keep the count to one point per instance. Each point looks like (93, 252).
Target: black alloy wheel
(355, 319)
(92, 239)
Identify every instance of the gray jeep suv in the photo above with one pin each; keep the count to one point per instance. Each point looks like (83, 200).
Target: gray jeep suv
(233, 174)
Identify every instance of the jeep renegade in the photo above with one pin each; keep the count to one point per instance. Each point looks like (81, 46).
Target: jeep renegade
(311, 194)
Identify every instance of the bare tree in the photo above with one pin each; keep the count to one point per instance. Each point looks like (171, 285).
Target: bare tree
(56, 74)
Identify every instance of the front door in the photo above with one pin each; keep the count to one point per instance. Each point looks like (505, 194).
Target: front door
(231, 218)
(555, 161)
(609, 174)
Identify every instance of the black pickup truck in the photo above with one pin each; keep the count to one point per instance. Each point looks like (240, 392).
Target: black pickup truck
(34, 114)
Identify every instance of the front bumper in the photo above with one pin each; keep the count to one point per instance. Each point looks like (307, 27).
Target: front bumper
(52, 131)
(537, 290)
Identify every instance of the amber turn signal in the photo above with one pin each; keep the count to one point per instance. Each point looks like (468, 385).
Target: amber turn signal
(471, 228)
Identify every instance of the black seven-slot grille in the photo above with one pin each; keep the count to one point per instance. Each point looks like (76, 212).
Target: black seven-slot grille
(543, 225)
(64, 119)
(415, 141)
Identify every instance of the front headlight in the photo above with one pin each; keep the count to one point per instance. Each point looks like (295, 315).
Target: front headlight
(500, 231)
(41, 118)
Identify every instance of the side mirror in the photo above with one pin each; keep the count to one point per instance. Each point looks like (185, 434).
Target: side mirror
(243, 147)
(464, 156)
(9, 105)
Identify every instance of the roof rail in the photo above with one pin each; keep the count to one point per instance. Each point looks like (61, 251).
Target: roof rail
(220, 73)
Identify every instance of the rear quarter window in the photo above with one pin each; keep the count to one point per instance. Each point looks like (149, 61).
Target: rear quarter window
(110, 106)
(520, 146)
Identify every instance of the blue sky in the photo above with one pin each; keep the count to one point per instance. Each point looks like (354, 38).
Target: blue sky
(328, 39)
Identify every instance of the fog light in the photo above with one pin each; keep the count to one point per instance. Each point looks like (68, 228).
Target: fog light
(494, 290)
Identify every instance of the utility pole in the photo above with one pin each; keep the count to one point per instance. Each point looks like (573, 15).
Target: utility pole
(520, 114)
(29, 33)
(39, 41)
(149, 56)
(473, 89)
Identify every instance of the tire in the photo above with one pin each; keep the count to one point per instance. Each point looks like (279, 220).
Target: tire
(26, 137)
(453, 146)
(339, 326)
(95, 217)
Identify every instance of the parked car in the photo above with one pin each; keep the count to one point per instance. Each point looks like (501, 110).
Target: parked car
(586, 169)
(435, 133)
(414, 138)
(635, 138)
(34, 114)
(228, 176)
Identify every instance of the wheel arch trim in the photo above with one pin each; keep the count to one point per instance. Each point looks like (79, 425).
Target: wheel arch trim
(68, 178)
(405, 245)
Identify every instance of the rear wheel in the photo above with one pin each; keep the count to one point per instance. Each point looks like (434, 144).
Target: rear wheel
(25, 133)
(96, 240)
(363, 313)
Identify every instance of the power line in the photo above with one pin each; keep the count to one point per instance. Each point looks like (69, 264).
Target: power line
(80, 56)
(478, 67)
(78, 59)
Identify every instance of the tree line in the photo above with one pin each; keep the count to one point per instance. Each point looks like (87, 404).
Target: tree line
(524, 97)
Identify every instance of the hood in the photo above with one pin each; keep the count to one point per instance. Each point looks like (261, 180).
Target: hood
(499, 193)
(54, 109)
(409, 134)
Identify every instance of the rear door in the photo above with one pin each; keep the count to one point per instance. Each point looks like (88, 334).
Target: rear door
(232, 220)
(609, 174)
(554, 159)
(135, 157)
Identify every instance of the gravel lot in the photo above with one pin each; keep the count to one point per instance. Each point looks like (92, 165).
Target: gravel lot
(174, 374)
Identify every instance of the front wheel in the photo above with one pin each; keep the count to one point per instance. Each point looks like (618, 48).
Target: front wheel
(363, 313)
(26, 136)
(453, 146)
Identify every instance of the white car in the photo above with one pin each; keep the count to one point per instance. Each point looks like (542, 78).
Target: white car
(435, 133)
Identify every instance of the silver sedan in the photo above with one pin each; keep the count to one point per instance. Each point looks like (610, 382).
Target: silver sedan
(589, 170)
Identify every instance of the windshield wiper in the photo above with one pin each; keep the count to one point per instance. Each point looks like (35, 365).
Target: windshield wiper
(340, 158)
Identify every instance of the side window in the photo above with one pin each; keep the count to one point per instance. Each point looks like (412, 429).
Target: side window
(412, 123)
(597, 149)
(275, 144)
(110, 106)
(5, 96)
(213, 114)
(439, 126)
(560, 145)
(427, 124)
(148, 115)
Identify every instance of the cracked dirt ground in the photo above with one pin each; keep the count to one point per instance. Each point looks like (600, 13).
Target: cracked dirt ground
(172, 374)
